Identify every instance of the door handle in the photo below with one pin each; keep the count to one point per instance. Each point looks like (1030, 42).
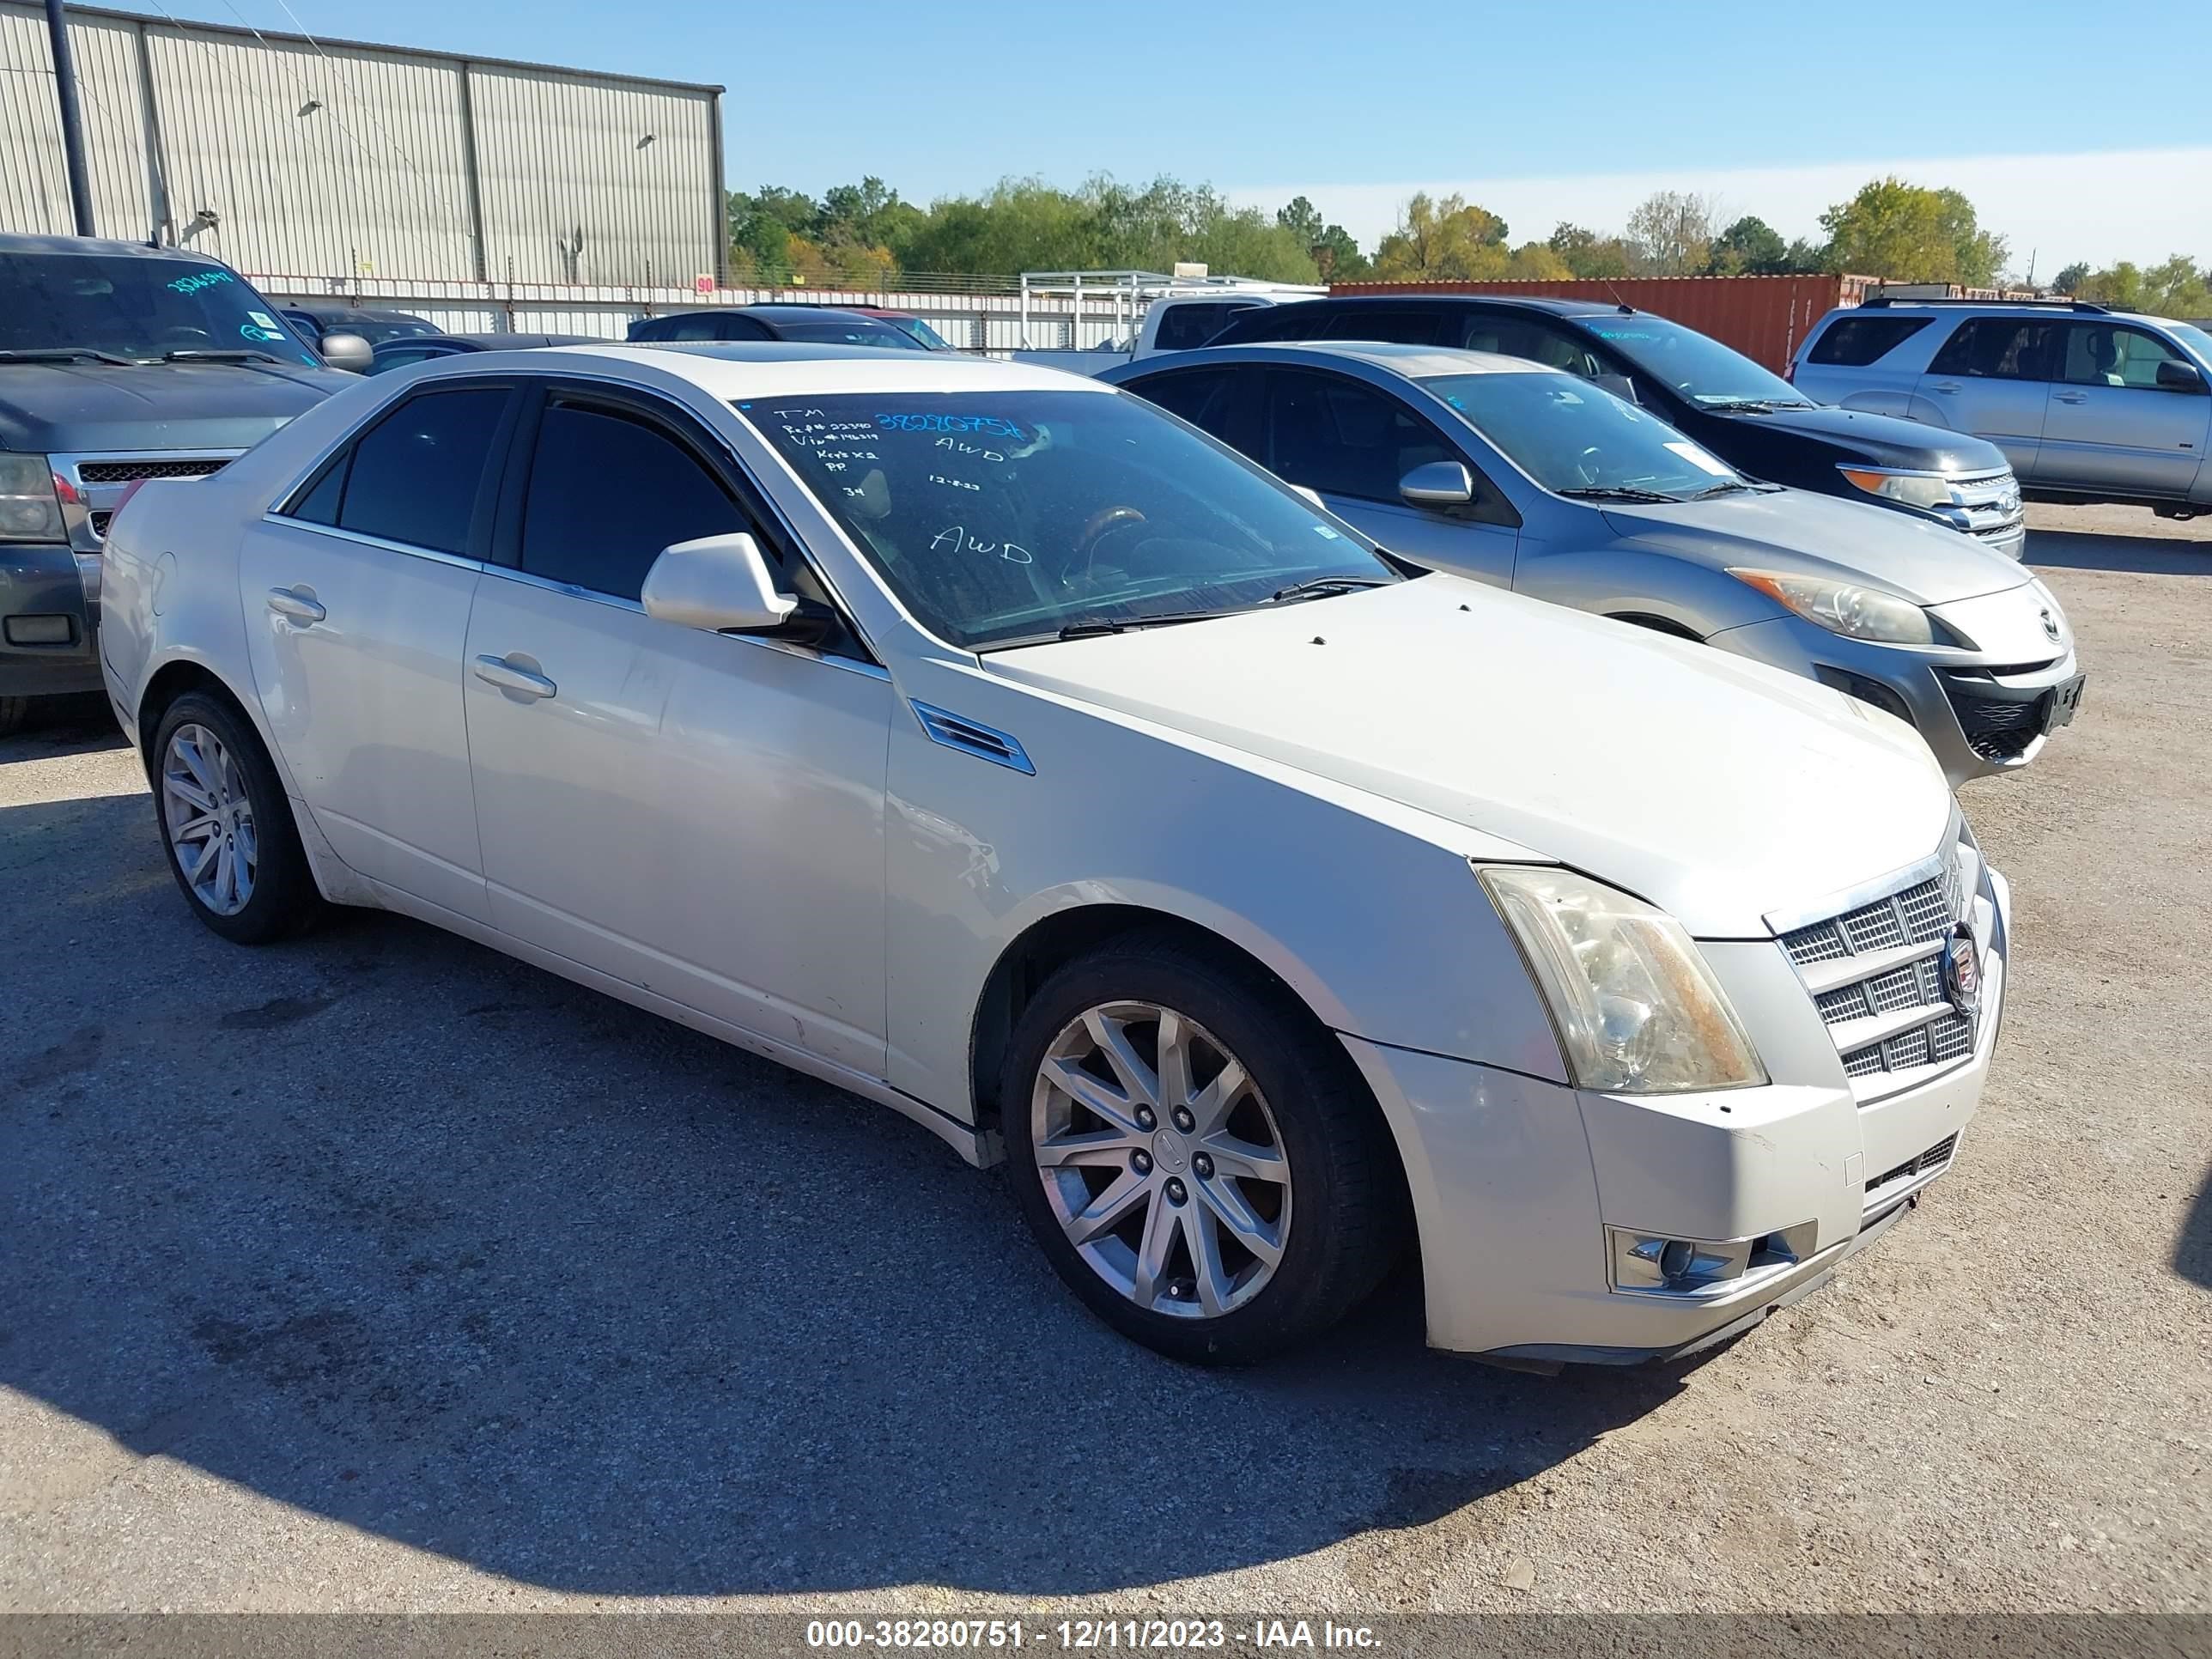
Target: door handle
(1947, 390)
(302, 608)
(497, 671)
(2071, 397)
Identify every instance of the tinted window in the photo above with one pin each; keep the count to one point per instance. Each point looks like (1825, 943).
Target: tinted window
(608, 492)
(415, 474)
(393, 357)
(1997, 348)
(1305, 320)
(1201, 396)
(1345, 437)
(1005, 516)
(1568, 434)
(135, 307)
(1395, 324)
(2105, 354)
(1185, 327)
(1696, 365)
(1853, 341)
(320, 504)
(1523, 337)
(860, 332)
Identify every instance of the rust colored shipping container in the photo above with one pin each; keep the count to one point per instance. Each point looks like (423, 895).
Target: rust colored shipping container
(1764, 317)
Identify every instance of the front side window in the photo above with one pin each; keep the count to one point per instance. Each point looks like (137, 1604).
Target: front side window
(1344, 437)
(2110, 354)
(144, 309)
(1571, 436)
(1697, 366)
(608, 491)
(1201, 396)
(1188, 325)
(1854, 342)
(1003, 518)
(414, 477)
(860, 332)
(1997, 348)
(1523, 337)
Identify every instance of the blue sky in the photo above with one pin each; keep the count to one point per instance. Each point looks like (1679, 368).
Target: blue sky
(1343, 101)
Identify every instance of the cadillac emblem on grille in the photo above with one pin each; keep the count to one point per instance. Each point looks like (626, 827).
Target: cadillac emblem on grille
(1962, 972)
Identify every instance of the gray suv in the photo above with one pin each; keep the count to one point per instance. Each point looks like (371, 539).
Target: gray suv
(2088, 404)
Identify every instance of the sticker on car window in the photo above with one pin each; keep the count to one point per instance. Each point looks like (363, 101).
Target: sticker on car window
(1703, 461)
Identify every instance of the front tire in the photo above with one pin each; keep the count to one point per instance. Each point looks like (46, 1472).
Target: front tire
(14, 711)
(227, 826)
(1194, 1153)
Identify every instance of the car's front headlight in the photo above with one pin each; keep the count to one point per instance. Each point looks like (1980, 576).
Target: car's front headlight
(29, 509)
(1852, 608)
(1637, 1009)
(1909, 489)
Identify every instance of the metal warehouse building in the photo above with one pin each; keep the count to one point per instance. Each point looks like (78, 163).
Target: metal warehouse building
(331, 161)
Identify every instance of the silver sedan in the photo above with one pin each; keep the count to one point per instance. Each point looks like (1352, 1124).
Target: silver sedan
(1500, 469)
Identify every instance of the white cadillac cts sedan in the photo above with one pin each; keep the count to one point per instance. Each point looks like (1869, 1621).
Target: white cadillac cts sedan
(988, 742)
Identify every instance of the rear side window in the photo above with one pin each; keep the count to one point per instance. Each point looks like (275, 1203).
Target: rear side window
(414, 477)
(608, 491)
(1343, 437)
(1854, 342)
(1398, 324)
(1306, 320)
(1189, 326)
(1523, 337)
(1998, 349)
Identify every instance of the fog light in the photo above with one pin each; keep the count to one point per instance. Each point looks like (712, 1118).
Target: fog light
(1676, 1257)
(1653, 1264)
(40, 630)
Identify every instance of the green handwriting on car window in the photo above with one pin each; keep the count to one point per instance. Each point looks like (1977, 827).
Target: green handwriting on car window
(199, 280)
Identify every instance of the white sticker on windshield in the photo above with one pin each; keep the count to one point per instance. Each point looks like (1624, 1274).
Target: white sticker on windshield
(1323, 530)
(1699, 458)
(262, 318)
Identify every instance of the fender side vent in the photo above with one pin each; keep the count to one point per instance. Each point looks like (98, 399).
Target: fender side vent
(984, 742)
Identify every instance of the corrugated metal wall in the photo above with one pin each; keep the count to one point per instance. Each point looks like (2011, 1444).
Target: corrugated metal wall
(1762, 317)
(332, 161)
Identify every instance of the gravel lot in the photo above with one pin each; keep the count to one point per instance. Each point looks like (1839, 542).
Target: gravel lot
(380, 1272)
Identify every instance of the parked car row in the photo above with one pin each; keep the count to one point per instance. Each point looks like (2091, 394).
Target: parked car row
(997, 746)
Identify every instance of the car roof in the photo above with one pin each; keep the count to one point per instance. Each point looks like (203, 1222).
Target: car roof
(1415, 362)
(765, 368)
(2058, 310)
(18, 242)
(1520, 301)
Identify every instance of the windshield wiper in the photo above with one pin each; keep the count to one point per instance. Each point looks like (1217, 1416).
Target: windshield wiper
(1085, 630)
(1755, 405)
(1725, 487)
(218, 354)
(1616, 492)
(63, 354)
(1320, 586)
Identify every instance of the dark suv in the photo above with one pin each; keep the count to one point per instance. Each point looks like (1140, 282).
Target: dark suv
(1746, 415)
(117, 362)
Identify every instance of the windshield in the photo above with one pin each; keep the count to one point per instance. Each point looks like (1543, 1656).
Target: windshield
(140, 308)
(1570, 435)
(1696, 365)
(1005, 517)
(2194, 337)
(869, 333)
(927, 337)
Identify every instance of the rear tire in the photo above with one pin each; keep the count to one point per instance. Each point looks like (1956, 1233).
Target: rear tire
(1194, 1153)
(14, 711)
(227, 826)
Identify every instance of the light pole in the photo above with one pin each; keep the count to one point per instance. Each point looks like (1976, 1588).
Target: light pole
(79, 181)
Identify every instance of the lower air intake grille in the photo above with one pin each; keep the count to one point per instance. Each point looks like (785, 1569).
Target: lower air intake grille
(1927, 1164)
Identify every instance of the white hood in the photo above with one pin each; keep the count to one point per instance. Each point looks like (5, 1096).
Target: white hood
(1719, 789)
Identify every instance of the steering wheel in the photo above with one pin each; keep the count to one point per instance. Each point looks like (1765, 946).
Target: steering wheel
(1096, 529)
(1586, 465)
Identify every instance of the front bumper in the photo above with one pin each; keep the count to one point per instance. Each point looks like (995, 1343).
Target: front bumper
(49, 621)
(1979, 715)
(1525, 1191)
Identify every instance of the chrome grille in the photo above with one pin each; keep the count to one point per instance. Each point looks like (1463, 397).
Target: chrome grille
(1917, 1025)
(98, 472)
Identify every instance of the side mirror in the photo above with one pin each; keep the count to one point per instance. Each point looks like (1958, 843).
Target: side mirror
(719, 583)
(1620, 385)
(2174, 375)
(1437, 483)
(347, 351)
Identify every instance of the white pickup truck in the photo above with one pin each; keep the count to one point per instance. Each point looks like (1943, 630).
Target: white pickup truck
(1153, 312)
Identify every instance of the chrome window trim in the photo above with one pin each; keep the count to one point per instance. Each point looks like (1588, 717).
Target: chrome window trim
(460, 560)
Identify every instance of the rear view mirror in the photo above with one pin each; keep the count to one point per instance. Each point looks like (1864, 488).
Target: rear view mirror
(1438, 484)
(2174, 375)
(719, 583)
(347, 351)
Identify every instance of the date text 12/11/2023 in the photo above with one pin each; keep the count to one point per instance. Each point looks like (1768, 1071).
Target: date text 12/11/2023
(1086, 1635)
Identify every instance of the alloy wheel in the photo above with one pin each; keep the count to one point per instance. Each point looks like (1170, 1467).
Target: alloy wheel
(208, 816)
(1161, 1160)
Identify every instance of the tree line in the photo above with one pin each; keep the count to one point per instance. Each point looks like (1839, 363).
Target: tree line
(866, 236)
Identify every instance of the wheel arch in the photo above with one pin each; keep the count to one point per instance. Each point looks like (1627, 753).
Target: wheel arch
(175, 680)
